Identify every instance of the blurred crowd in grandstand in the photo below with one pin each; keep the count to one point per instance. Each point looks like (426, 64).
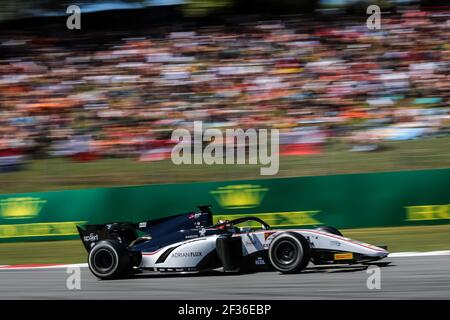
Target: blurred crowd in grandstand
(314, 81)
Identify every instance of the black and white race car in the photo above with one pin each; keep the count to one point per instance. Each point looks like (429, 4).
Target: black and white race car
(190, 242)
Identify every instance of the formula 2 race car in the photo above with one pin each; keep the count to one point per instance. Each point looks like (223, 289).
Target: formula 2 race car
(191, 242)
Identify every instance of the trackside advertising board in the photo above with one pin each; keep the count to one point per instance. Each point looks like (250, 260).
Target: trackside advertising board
(344, 201)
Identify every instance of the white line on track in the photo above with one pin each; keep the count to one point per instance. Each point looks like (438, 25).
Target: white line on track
(419, 254)
(58, 266)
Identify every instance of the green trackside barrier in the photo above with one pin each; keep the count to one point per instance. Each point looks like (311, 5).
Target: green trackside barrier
(344, 201)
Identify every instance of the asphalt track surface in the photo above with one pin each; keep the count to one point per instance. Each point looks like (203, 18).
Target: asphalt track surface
(404, 278)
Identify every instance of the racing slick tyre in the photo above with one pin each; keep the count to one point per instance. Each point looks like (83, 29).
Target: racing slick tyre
(108, 259)
(331, 230)
(289, 252)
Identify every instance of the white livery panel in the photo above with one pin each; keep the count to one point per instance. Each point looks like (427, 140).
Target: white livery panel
(188, 254)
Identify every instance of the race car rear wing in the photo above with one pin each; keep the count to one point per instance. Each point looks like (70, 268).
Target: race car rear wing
(127, 232)
(120, 231)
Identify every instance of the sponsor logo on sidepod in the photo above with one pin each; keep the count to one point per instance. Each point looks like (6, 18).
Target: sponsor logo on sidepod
(186, 254)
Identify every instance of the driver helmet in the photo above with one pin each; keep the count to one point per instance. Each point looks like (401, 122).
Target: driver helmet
(225, 224)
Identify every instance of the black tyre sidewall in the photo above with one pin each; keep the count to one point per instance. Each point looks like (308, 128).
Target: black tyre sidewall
(303, 252)
(121, 260)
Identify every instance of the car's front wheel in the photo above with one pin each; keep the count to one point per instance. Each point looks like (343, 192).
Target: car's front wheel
(108, 259)
(289, 252)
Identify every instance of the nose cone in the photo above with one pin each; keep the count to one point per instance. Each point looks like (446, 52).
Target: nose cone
(382, 253)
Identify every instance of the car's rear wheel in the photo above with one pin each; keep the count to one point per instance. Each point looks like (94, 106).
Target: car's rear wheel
(108, 259)
(331, 230)
(289, 252)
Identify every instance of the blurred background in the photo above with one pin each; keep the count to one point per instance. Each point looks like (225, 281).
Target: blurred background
(96, 107)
